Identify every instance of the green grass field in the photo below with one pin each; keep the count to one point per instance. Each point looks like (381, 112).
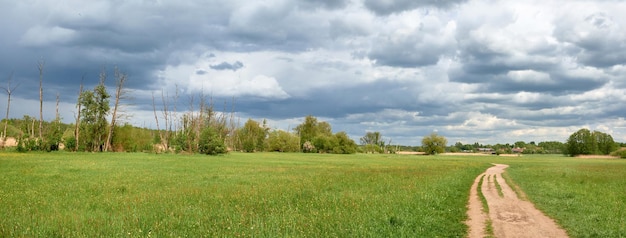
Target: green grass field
(293, 195)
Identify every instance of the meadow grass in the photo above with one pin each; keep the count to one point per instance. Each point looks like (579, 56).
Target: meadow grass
(260, 194)
(587, 197)
(498, 188)
(293, 195)
(485, 206)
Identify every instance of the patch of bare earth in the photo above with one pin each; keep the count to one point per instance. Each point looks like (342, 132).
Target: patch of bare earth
(597, 157)
(8, 142)
(509, 215)
(466, 154)
(410, 153)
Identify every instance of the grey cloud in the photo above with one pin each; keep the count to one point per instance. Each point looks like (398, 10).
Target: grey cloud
(340, 28)
(282, 26)
(400, 56)
(557, 84)
(135, 42)
(328, 4)
(416, 50)
(597, 38)
(342, 100)
(392, 6)
(227, 66)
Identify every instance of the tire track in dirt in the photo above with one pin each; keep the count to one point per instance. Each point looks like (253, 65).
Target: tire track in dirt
(509, 215)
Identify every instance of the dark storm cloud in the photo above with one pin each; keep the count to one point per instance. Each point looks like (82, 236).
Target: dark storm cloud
(227, 66)
(89, 41)
(341, 101)
(392, 6)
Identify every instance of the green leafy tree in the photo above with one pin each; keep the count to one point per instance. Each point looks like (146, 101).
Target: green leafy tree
(585, 142)
(551, 147)
(282, 141)
(604, 143)
(54, 136)
(345, 145)
(373, 142)
(318, 137)
(131, 139)
(211, 143)
(311, 128)
(578, 143)
(520, 144)
(325, 143)
(253, 135)
(94, 109)
(434, 144)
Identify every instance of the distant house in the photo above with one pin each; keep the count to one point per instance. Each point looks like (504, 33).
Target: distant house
(486, 150)
(517, 150)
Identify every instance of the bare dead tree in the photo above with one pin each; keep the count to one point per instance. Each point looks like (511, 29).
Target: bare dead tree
(40, 66)
(56, 116)
(191, 124)
(156, 118)
(79, 107)
(232, 126)
(175, 115)
(120, 79)
(9, 90)
(32, 130)
(167, 118)
(200, 123)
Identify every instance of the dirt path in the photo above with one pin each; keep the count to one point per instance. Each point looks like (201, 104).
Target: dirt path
(509, 216)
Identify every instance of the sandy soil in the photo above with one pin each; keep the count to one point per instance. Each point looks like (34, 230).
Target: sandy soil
(410, 153)
(10, 141)
(510, 216)
(467, 154)
(597, 157)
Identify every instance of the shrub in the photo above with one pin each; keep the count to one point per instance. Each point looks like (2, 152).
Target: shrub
(211, 143)
(621, 153)
(308, 147)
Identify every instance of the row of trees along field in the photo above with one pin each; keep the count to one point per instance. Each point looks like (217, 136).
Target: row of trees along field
(586, 142)
(100, 126)
(202, 129)
(582, 142)
(544, 147)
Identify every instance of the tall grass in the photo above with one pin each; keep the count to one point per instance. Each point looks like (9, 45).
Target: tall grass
(261, 194)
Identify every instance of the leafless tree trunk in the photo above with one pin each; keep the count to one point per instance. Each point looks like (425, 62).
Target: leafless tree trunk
(57, 117)
(79, 107)
(119, 94)
(32, 130)
(9, 90)
(232, 126)
(167, 117)
(40, 66)
(175, 115)
(191, 124)
(156, 118)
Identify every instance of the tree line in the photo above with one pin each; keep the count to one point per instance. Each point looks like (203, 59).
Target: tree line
(201, 128)
(581, 142)
(196, 129)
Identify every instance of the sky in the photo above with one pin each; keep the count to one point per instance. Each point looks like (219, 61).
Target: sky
(483, 71)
